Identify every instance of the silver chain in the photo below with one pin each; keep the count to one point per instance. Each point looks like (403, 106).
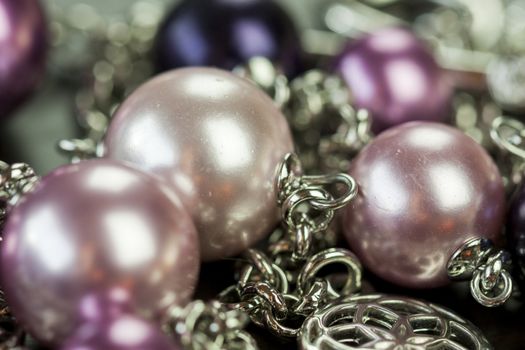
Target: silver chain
(15, 181)
(279, 286)
(486, 267)
(116, 58)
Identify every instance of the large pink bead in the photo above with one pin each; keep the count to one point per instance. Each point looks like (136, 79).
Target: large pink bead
(424, 189)
(217, 140)
(23, 44)
(94, 228)
(123, 332)
(393, 75)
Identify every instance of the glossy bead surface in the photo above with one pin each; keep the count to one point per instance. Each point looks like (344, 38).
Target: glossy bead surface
(22, 51)
(516, 230)
(123, 332)
(424, 190)
(218, 141)
(393, 75)
(95, 227)
(226, 33)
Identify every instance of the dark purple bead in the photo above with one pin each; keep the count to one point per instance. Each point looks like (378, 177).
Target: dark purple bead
(226, 33)
(393, 75)
(23, 43)
(516, 229)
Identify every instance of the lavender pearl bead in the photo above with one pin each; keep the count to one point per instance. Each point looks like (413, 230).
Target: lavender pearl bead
(218, 141)
(124, 332)
(93, 228)
(424, 189)
(23, 43)
(392, 75)
(226, 33)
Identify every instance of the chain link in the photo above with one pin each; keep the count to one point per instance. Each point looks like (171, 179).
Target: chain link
(210, 326)
(487, 268)
(115, 60)
(15, 181)
(282, 285)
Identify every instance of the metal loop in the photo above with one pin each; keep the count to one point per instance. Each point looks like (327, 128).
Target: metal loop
(313, 299)
(327, 257)
(333, 203)
(240, 340)
(288, 176)
(299, 203)
(302, 242)
(263, 264)
(491, 273)
(507, 142)
(281, 282)
(465, 260)
(275, 326)
(270, 295)
(482, 296)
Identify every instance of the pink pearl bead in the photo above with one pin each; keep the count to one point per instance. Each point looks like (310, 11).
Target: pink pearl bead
(424, 190)
(217, 141)
(123, 332)
(96, 227)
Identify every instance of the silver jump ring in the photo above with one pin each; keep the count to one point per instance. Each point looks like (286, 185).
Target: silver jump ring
(327, 257)
(490, 301)
(333, 203)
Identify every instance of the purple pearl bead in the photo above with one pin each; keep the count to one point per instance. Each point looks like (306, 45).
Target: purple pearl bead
(226, 33)
(122, 332)
(424, 190)
(393, 75)
(516, 230)
(23, 43)
(96, 228)
(217, 141)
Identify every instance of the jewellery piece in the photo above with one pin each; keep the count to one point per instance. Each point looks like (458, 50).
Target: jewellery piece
(217, 141)
(281, 285)
(225, 34)
(15, 181)
(22, 61)
(391, 74)
(487, 269)
(327, 128)
(115, 60)
(425, 190)
(120, 332)
(508, 135)
(94, 228)
(211, 326)
(388, 322)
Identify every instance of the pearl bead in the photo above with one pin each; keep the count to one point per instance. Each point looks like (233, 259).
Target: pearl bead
(424, 190)
(23, 43)
(226, 33)
(393, 75)
(217, 141)
(95, 227)
(124, 332)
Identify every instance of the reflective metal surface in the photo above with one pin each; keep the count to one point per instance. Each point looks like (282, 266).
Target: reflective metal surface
(387, 322)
